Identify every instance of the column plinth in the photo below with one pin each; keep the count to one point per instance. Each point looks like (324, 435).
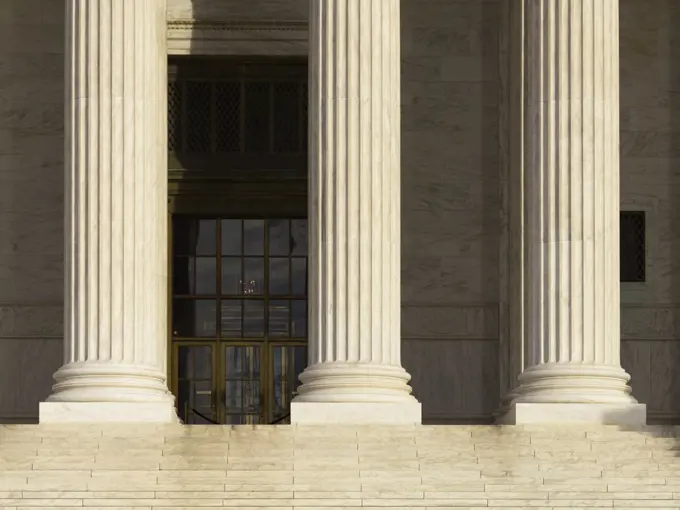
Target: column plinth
(569, 237)
(355, 373)
(115, 217)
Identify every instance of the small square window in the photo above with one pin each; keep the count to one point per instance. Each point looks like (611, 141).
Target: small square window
(632, 248)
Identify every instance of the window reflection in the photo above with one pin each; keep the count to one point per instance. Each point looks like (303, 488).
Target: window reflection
(231, 237)
(279, 237)
(206, 237)
(194, 318)
(253, 235)
(299, 318)
(206, 275)
(279, 273)
(195, 383)
(253, 276)
(279, 316)
(299, 275)
(298, 234)
(231, 276)
(289, 362)
(238, 281)
(231, 318)
(242, 380)
(253, 318)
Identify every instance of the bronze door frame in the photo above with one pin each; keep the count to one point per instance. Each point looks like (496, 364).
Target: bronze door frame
(230, 177)
(265, 346)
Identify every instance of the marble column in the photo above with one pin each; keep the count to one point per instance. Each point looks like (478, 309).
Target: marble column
(354, 373)
(569, 236)
(115, 216)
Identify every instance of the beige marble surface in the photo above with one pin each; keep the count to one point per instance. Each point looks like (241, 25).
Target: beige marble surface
(115, 271)
(290, 468)
(450, 197)
(567, 232)
(355, 372)
(31, 203)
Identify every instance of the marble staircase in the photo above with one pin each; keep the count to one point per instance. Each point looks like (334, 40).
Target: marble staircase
(287, 467)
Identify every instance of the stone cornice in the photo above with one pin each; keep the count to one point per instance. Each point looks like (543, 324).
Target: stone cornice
(237, 25)
(237, 37)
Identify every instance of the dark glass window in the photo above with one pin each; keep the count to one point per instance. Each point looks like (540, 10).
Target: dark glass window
(632, 249)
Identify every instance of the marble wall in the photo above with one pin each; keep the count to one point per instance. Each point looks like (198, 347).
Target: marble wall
(450, 189)
(450, 202)
(31, 202)
(650, 182)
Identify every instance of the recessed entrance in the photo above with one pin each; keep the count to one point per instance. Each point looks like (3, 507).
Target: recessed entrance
(238, 229)
(239, 322)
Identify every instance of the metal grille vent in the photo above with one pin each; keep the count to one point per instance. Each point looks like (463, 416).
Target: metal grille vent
(632, 250)
(175, 107)
(238, 116)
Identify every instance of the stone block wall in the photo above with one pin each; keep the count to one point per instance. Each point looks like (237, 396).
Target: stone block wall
(31, 202)
(450, 199)
(450, 206)
(450, 193)
(650, 182)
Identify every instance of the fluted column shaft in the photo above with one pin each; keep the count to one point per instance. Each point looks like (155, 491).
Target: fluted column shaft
(354, 208)
(116, 215)
(571, 204)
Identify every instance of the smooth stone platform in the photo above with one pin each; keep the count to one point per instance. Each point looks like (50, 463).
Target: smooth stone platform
(366, 413)
(605, 414)
(107, 412)
(295, 467)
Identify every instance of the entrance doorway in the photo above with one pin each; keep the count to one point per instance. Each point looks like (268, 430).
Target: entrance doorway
(238, 232)
(239, 317)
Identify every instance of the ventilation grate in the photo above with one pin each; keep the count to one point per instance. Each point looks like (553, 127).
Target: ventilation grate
(228, 116)
(247, 116)
(174, 116)
(632, 250)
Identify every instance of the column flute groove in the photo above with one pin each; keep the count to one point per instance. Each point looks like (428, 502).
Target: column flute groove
(570, 142)
(354, 370)
(116, 218)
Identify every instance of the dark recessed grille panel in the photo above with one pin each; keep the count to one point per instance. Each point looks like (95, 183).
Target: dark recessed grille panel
(632, 246)
(198, 125)
(228, 110)
(258, 118)
(238, 111)
(175, 107)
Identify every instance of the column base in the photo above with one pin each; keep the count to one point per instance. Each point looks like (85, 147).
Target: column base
(568, 413)
(107, 412)
(110, 381)
(356, 413)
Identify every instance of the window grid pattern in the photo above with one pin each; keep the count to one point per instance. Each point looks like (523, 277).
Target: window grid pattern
(240, 288)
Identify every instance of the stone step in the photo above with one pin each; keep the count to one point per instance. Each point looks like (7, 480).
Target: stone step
(338, 467)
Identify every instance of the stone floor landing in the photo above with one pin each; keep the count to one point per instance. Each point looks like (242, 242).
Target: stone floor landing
(286, 467)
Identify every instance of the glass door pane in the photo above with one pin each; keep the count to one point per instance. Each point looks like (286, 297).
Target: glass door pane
(288, 362)
(239, 317)
(242, 390)
(195, 383)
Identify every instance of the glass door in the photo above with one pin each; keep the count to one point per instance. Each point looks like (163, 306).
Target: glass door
(239, 317)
